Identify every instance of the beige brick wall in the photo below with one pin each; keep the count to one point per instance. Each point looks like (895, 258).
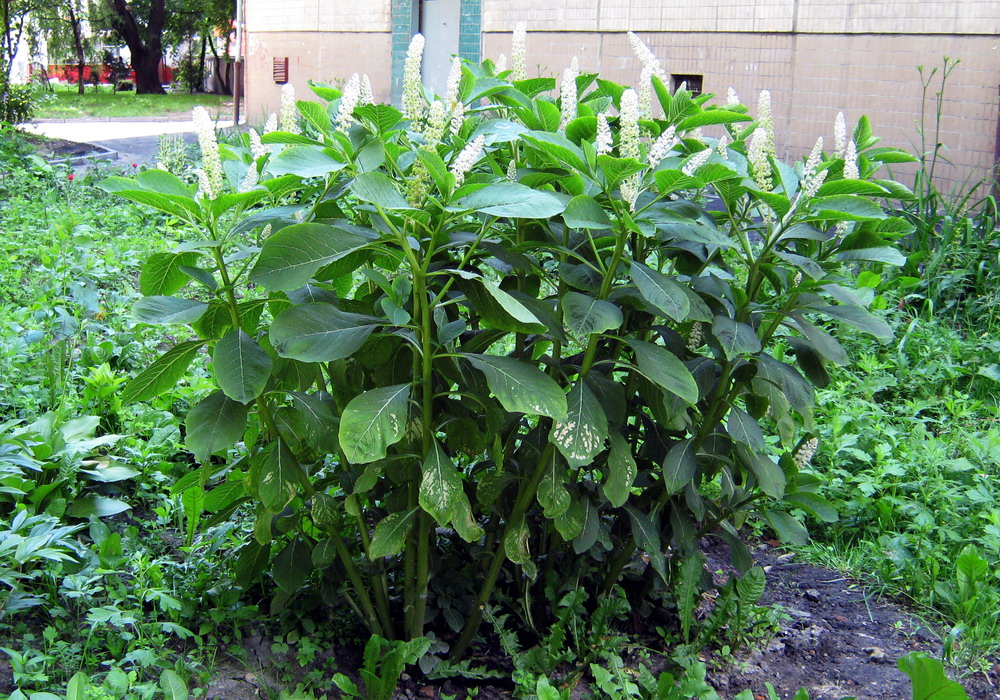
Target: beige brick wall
(318, 15)
(811, 77)
(320, 56)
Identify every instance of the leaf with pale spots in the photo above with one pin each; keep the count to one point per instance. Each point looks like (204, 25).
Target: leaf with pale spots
(520, 387)
(463, 521)
(552, 494)
(584, 314)
(515, 546)
(581, 436)
(373, 421)
(622, 471)
(390, 534)
(277, 475)
(440, 486)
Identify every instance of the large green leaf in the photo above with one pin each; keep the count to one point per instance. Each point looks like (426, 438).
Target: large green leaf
(743, 428)
(277, 476)
(512, 306)
(584, 314)
(99, 506)
(163, 374)
(552, 494)
(305, 161)
(161, 273)
(665, 369)
(662, 292)
(929, 679)
(290, 257)
(242, 367)
(319, 333)
(858, 318)
(515, 546)
(441, 485)
(168, 310)
(390, 534)
(378, 189)
(557, 147)
(735, 338)
(373, 421)
(292, 565)
(622, 471)
(514, 201)
(844, 207)
(679, 466)
(216, 423)
(581, 436)
(520, 387)
(786, 527)
(584, 212)
(172, 685)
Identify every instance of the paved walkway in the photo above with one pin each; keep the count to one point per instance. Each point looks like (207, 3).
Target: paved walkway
(135, 142)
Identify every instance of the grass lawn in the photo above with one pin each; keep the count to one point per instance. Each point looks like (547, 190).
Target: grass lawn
(65, 103)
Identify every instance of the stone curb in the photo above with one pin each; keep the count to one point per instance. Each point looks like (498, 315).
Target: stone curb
(102, 153)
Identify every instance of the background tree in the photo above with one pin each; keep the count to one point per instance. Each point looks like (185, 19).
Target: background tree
(14, 15)
(140, 25)
(62, 25)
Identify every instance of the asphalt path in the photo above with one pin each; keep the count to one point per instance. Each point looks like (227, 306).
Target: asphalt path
(135, 142)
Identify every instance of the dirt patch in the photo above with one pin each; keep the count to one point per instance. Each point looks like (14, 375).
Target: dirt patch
(59, 149)
(839, 641)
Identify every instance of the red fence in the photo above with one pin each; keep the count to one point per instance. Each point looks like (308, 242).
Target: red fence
(69, 73)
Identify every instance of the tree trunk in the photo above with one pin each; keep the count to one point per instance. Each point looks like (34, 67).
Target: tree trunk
(146, 45)
(81, 60)
(201, 63)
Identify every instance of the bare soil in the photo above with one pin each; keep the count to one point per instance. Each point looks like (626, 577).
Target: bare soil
(838, 641)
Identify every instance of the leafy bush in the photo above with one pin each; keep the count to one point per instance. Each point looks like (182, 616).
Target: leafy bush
(506, 343)
(16, 103)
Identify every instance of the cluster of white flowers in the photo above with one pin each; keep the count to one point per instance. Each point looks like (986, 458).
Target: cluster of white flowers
(839, 136)
(807, 450)
(851, 171)
(265, 232)
(695, 337)
(257, 148)
(567, 94)
(650, 67)
(731, 97)
(454, 80)
(288, 117)
(797, 280)
(348, 101)
(367, 95)
(210, 176)
(696, 161)
(757, 155)
(662, 146)
(628, 125)
(437, 123)
(512, 170)
(812, 177)
(604, 140)
(465, 160)
(723, 146)
(765, 120)
(457, 117)
(518, 53)
(271, 124)
(501, 65)
(413, 100)
(250, 179)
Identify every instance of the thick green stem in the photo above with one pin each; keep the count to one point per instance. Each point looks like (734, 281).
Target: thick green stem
(359, 587)
(525, 496)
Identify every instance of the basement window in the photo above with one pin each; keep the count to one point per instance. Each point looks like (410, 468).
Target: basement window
(279, 69)
(693, 82)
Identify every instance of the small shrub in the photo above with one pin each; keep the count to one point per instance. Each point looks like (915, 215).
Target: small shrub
(17, 103)
(502, 346)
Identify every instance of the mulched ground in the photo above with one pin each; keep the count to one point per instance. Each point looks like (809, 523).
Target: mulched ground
(57, 149)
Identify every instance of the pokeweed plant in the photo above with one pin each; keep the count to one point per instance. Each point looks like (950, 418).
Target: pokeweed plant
(499, 338)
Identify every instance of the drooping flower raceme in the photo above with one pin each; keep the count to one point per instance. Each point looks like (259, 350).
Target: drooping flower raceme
(257, 148)
(851, 162)
(437, 123)
(250, 179)
(454, 78)
(512, 170)
(348, 101)
(757, 155)
(367, 96)
(567, 94)
(650, 67)
(696, 161)
(628, 125)
(412, 100)
(765, 120)
(501, 65)
(695, 337)
(839, 136)
(662, 146)
(518, 53)
(271, 124)
(210, 177)
(804, 455)
(467, 159)
(288, 118)
(723, 146)
(731, 97)
(603, 143)
(812, 177)
(457, 117)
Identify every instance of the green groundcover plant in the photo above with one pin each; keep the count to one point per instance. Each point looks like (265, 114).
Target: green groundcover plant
(498, 344)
